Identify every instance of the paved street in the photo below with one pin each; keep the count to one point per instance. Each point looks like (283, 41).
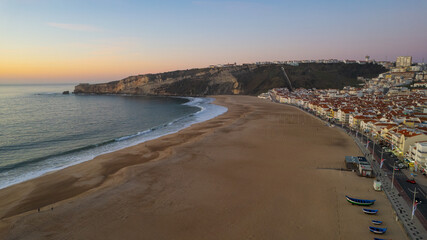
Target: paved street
(403, 188)
(401, 178)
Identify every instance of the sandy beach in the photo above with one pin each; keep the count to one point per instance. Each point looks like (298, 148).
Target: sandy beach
(260, 171)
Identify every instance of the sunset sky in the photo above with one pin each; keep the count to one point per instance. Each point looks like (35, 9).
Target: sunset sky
(104, 40)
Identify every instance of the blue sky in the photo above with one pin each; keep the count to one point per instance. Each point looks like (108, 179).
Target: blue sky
(97, 41)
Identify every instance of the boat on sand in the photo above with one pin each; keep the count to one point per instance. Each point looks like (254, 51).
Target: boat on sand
(377, 230)
(360, 202)
(369, 211)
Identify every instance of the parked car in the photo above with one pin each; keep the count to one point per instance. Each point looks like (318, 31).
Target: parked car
(411, 181)
(401, 165)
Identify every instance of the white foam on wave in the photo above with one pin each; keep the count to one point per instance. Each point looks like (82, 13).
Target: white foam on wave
(132, 136)
(34, 170)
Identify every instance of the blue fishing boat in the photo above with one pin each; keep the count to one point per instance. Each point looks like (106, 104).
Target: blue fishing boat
(360, 202)
(376, 222)
(379, 239)
(377, 230)
(369, 211)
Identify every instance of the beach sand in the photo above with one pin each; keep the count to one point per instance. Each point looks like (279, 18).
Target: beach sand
(260, 171)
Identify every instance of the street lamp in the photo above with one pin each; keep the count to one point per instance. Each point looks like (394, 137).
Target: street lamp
(413, 202)
(392, 178)
(373, 150)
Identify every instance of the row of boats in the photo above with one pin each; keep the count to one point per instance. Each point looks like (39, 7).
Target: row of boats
(364, 202)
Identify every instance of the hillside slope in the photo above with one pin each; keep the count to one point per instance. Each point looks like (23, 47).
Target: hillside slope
(246, 79)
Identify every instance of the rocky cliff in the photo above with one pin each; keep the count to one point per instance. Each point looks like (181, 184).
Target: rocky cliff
(245, 79)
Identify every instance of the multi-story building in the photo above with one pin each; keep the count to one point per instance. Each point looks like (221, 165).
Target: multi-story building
(418, 154)
(407, 138)
(405, 61)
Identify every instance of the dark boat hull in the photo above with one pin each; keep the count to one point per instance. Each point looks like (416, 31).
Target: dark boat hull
(370, 211)
(360, 202)
(377, 230)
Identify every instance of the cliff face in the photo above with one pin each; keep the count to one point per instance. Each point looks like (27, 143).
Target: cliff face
(195, 82)
(246, 79)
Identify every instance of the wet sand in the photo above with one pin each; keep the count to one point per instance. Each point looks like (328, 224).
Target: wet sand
(260, 171)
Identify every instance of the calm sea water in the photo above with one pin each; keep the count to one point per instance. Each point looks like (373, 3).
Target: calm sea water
(42, 130)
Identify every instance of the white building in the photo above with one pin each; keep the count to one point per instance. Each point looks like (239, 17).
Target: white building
(404, 61)
(418, 153)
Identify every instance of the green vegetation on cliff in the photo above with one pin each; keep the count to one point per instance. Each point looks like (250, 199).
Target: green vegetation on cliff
(246, 79)
(331, 75)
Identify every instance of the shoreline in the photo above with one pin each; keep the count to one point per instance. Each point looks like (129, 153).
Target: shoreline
(252, 172)
(76, 168)
(207, 110)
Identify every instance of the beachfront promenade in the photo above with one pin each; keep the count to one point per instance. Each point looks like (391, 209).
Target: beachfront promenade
(416, 227)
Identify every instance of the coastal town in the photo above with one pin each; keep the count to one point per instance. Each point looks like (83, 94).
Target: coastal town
(386, 64)
(390, 109)
(213, 120)
(387, 118)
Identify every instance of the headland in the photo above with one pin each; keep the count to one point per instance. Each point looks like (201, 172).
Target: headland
(245, 79)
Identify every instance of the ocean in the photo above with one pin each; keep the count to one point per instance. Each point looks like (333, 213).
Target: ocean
(43, 130)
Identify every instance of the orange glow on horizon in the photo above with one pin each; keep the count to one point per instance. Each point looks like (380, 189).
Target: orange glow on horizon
(79, 70)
